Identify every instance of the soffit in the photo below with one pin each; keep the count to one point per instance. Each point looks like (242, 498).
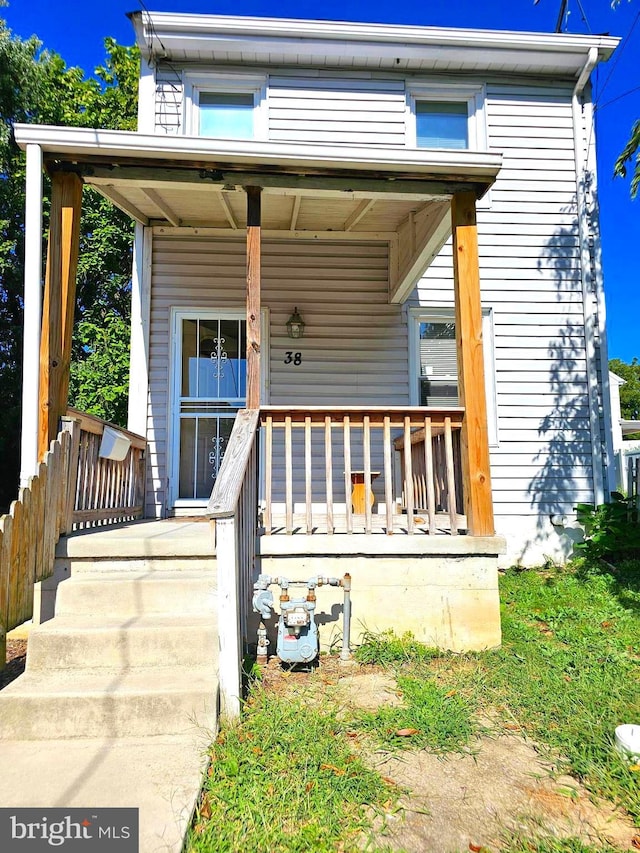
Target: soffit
(273, 41)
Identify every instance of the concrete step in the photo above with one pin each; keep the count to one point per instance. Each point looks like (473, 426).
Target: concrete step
(141, 540)
(108, 703)
(77, 642)
(69, 566)
(131, 593)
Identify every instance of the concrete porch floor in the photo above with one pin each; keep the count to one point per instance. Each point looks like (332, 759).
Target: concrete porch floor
(170, 537)
(378, 524)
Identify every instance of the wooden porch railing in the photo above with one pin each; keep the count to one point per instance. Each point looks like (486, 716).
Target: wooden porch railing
(106, 490)
(348, 449)
(233, 508)
(347, 445)
(433, 469)
(73, 487)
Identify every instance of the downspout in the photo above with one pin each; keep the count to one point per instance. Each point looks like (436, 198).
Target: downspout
(611, 483)
(585, 275)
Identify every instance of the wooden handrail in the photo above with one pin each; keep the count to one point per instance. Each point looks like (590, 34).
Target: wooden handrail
(96, 425)
(104, 490)
(226, 490)
(418, 436)
(357, 414)
(233, 510)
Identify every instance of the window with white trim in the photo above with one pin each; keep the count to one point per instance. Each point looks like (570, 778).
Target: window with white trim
(226, 106)
(448, 116)
(433, 362)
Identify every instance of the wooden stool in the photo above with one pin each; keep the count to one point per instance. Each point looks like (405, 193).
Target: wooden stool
(358, 493)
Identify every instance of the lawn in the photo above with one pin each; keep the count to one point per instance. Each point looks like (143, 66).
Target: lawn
(288, 779)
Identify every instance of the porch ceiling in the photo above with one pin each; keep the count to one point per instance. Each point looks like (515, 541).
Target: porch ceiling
(282, 209)
(398, 195)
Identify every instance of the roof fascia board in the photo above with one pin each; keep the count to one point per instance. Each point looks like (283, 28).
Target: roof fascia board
(87, 143)
(171, 25)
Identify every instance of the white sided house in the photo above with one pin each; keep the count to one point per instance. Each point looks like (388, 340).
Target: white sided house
(368, 326)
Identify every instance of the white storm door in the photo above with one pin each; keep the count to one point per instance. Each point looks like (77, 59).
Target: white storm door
(209, 386)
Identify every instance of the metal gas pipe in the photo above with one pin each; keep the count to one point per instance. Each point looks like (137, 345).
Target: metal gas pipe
(297, 629)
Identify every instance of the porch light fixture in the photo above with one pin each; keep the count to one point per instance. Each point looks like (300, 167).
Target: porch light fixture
(295, 325)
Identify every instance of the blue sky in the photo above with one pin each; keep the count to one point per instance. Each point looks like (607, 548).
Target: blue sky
(76, 29)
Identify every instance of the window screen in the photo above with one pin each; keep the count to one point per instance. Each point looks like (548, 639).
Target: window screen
(442, 124)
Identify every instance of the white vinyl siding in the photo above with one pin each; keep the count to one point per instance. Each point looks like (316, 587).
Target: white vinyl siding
(169, 97)
(323, 109)
(355, 345)
(333, 110)
(354, 350)
(530, 278)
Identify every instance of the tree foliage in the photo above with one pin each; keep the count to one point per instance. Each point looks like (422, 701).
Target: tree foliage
(630, 391)
(630, 153)
(37, 86)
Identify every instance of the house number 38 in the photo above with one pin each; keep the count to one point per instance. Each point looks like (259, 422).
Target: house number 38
(293, 358)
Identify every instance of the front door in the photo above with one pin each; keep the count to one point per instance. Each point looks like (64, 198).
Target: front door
(208, 389)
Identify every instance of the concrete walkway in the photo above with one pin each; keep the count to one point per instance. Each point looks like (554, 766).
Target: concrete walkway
(118, 701)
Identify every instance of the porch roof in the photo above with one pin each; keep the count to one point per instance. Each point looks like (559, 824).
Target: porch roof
(398, 195)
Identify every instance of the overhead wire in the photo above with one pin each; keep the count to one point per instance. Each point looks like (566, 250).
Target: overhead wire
(619, 52)
(153, 34)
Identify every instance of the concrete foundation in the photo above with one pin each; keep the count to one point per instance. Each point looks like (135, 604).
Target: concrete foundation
(445, 592)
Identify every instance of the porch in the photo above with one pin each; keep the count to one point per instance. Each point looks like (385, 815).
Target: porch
(357, 482)
(407, 202)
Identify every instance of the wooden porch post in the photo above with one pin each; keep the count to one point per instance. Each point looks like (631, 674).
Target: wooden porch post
(476, 473)
(59, 304)
(253, 296)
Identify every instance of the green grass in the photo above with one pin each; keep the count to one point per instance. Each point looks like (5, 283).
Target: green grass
(387, 648)
(520, 844)
(567, 672)
(436, 718)
(284, 780)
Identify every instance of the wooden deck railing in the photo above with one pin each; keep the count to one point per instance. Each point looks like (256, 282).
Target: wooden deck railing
(432, 471)
(106, 490)
(73, 487)
(327, 457)
(233, 508)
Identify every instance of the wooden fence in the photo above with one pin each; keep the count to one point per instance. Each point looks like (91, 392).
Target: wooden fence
(73, 487)
(28, 536)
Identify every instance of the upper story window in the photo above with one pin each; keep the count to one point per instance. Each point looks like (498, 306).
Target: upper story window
(442, 124)
(227, 115)
(230, 106)
(446, 116)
